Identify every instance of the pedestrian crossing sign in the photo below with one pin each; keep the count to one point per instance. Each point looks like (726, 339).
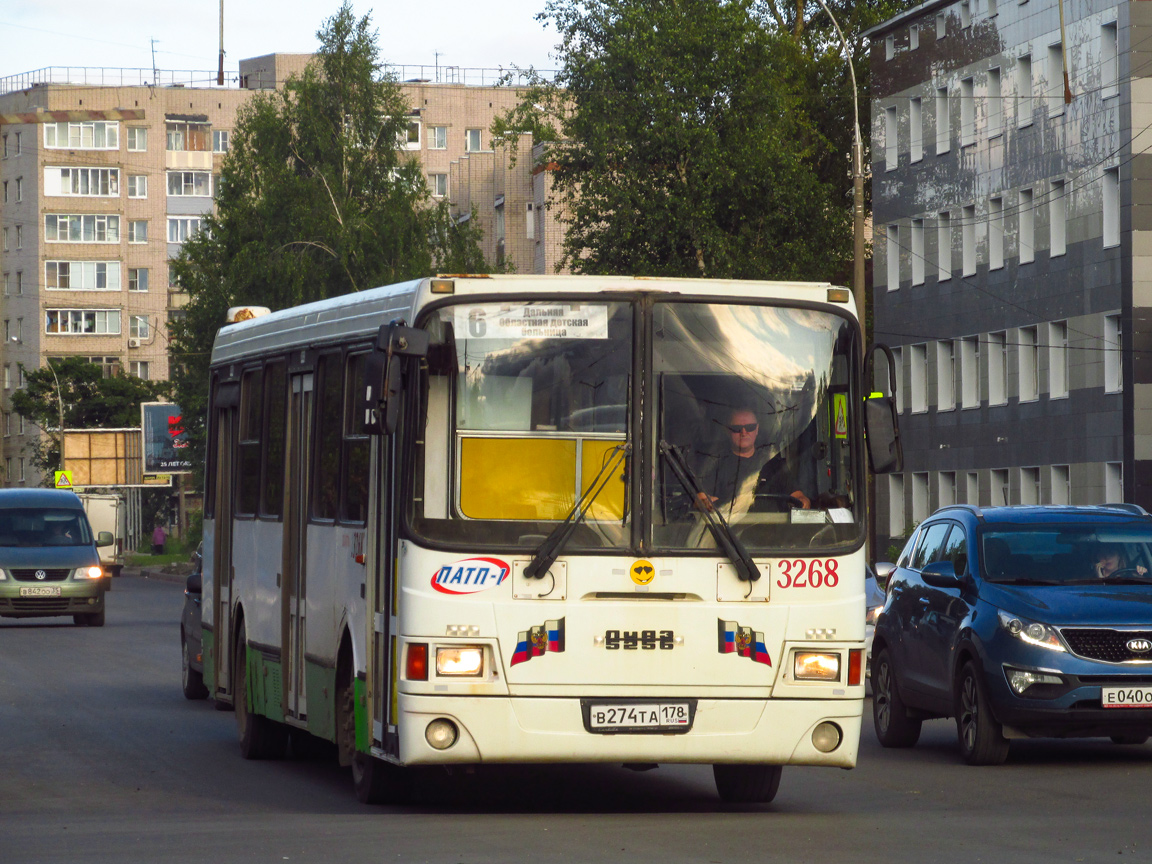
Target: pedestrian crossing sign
(63, 479)
(840, 415)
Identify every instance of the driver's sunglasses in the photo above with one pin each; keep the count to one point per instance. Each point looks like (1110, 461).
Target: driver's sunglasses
(743, 427)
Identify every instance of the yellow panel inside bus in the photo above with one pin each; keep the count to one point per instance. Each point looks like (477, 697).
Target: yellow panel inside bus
(517, 478)
(609, 504)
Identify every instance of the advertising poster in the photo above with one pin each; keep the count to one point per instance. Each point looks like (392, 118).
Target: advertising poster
(165, 442)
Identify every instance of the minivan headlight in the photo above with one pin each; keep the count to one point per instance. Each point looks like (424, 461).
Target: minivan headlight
(1032, 632)
(88, 573)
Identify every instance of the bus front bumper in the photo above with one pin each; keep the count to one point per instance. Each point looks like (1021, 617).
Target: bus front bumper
(532, 729)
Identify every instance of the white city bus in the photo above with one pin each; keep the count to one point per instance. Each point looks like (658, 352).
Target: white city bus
(478, 519)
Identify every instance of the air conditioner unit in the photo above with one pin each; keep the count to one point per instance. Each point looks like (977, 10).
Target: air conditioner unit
(133, 343)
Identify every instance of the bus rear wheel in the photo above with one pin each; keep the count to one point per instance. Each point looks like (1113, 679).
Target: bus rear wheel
(260, 738)
(747, 784)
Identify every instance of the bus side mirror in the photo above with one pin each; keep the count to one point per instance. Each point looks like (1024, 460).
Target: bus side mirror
(383, 376)
(881, 422)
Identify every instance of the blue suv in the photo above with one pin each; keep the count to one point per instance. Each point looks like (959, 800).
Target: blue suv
(1018, 622)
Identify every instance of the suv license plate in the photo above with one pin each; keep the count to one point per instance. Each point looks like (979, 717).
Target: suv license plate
(1126, 697)
(39, 590)
(655, 716)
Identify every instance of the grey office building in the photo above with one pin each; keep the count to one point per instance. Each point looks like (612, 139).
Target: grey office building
(1012, 239)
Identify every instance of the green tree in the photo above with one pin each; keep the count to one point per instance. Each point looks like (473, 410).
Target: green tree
(315, 200)
(88, 401)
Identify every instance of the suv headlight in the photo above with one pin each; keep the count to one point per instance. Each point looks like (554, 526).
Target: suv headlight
(88, 573)
(1032, 632)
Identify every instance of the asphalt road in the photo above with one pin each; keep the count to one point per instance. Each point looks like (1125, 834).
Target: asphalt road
(103, 760)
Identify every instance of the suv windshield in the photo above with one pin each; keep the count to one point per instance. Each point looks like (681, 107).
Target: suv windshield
(35, 527)
(1064, 554)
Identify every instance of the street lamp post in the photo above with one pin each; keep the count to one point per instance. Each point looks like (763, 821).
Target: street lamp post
(60, 405)
(857, 177)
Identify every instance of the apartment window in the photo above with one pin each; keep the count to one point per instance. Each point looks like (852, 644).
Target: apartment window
(180, 135)
(1113, 354)
(992, 10)
(437, 137)
(916, 129)
(138, 231)
(7, 376)
(889, 47)
(19, 282)
(995, 104)
(893, 257)
(967, 112)
(943, 132)
(181, 228)
(913, 37)
(919, 378)
(1113, 483)
(1024, 90)
(19, 236)
(138, 279)
(530, 221)
(1058, 359)
(138, 368)
(5, 239)
(896, 526)
(1029, 367)
(941, 25)
(219, 145)
(1057, 219)
(190, 183)
(138, 326)
(83, 182)
(919, 497)
(946, 488)
(410, 137)
(173, 278)
(970, 372)
(1061, 484)
(7, 284)
(20, 462)
(19, 189)
(7, 424)
(439, 184)
(1055, 80)
(898, 367)
(1027, 220)
(945, 375)
(944, 246)
(19, 147)
(1030, 486)
(7, 330)
(966, 14)
(972, 488)
(472, 140)
(1001, 492)
(995, 233)
(79, 228)
(1111, 207)
(137, 139)
(82, 321)
(137, 186)
(5, 139)
(1109, 68)
(82, 275)
(891, 140)
(968, 240)
(87, 135)
(997, 368)
(917, 252)
(5, 185)
(19, 329)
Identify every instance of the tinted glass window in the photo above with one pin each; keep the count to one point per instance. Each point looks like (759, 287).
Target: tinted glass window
(251, 423)
(275, 387)
(355, 466)
(37, 527)
(931, 546)
(956, 550)
(330, 399)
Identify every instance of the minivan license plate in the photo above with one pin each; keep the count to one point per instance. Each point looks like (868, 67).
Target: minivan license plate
(1126, 697)
(39, 590)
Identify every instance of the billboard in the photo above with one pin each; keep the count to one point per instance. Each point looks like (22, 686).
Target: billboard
(165, 442)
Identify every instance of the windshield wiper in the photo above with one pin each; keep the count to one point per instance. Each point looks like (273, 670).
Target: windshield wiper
(553, 544)
(746, 568)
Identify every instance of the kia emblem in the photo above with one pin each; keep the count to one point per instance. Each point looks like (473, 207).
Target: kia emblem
(40, 574)
(1139, 646)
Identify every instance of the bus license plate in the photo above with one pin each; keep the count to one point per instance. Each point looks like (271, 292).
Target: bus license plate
(39, 590)
(655, 716)
(1126, 697)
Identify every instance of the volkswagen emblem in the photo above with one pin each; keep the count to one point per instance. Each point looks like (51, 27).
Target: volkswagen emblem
(1140, 646)
(40, 574)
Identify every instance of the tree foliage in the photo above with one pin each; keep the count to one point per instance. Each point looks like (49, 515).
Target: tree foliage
(698, 137)
(87, 398)
(315, 200)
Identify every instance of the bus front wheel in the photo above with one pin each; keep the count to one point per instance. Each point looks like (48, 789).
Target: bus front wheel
(747, 784)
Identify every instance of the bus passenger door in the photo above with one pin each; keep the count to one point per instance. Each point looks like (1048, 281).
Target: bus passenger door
(381, 589)
(293, 586)
(225, 433)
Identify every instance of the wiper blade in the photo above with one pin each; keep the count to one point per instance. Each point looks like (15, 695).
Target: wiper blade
(549, 550)
(746, 568)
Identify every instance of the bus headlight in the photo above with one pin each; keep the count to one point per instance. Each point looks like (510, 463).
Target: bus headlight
(88, 573)
(816, 666)
(463, 660)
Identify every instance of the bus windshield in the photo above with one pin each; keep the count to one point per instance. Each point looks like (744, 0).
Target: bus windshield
(527, 407)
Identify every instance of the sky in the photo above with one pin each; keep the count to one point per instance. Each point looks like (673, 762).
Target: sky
(118, 33)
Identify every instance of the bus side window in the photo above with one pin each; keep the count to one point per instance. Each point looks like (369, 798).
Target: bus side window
(354, 464)
(329, 415)
(275, 387)
(251, 424)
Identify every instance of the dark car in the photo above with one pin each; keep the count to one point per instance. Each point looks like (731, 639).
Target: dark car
(191, 658)
(1018, 622)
